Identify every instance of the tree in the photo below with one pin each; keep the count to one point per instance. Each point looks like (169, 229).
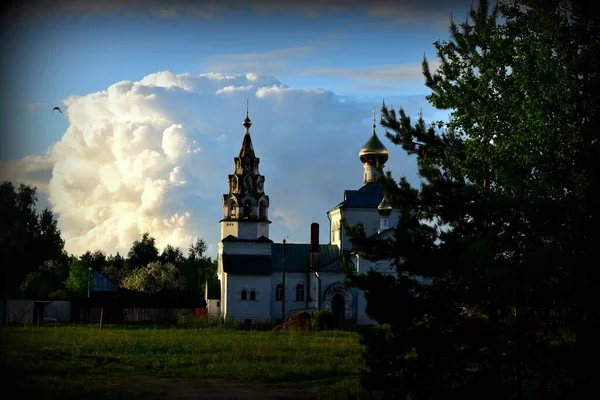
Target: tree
(155, 278)
(27, 239)
(172, 255)
(512, 174)
(80, 279)
(47, 282)
(197, 249)
(97, 260)
(197, 268)
(142, 252)
(115, 268)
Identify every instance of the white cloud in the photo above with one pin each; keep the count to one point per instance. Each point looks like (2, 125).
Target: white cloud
(154, 156)
(32, 170)
(390, 75)
(271, 62)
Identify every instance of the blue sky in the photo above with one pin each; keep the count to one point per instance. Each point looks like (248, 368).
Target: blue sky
(58, 49)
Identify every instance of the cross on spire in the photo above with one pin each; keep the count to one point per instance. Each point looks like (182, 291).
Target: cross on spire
(247, 123)
(373, 115)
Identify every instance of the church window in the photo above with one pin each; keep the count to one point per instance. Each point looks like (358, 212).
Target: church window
(300, 292)
(278, 292)
(252, 295)
(248, 183)
(262, 210)
(231, 210)
(260, 184)
(247, 209)
(244, 295)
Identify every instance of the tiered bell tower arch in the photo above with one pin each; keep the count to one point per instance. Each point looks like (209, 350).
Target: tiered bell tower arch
(245, 206)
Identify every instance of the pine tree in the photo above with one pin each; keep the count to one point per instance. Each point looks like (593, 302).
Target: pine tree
(503, 222)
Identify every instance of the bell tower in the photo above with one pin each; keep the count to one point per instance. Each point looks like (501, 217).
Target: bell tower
(245, 206)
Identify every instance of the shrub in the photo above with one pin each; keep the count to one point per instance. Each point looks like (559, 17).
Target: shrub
(324, 319)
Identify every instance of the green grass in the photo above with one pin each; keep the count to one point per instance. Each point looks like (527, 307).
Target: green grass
(68, 361)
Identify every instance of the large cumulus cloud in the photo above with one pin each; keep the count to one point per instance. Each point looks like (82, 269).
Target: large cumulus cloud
(154, 156)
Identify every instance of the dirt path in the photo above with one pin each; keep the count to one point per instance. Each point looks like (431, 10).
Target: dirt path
(161, 388)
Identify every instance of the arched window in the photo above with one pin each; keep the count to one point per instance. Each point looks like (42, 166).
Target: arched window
(244, 295)
(232, 210)
(260, 184)
(262, 210)
(247, 209)
(252, 295)
(278, 292)
(300, 292)
(248, 183)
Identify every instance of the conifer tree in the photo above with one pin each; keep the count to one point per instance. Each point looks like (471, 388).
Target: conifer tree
(505, 220)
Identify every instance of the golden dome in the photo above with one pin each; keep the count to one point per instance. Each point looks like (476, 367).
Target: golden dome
(384, 207)
(373, 152)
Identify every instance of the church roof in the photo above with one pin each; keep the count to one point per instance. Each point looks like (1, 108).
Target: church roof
(381, 234)
(247, 264)
(297, 257)
(232, 238)
(368, 196)
(247, 150)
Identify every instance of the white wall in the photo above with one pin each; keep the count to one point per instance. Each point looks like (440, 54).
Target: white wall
(257, 310)
(213, 307)
(368, 217)
(292, 279)
(244, 230)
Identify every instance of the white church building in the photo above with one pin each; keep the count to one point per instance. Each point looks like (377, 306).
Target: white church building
(262, 281)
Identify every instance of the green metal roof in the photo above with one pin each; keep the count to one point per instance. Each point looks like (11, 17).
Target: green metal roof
(297, 257)
(246, 264)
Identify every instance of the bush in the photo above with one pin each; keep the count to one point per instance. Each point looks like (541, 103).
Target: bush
(324, 319)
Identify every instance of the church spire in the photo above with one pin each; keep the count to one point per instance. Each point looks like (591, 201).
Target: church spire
(247, 123)
(247, 150)
(374, 125)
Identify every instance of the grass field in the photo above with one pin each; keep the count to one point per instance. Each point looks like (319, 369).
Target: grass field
(65, 362)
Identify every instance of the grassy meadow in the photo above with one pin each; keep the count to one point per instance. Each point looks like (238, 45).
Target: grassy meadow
(119, 362)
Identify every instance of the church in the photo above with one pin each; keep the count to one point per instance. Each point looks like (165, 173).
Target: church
(262, 281)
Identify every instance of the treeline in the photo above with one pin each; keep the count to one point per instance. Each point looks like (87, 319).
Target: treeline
(36, 264)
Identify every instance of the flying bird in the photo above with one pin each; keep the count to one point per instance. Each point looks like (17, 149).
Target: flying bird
(56, 108)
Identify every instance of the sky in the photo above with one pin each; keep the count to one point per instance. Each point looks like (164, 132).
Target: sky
(154, 93)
